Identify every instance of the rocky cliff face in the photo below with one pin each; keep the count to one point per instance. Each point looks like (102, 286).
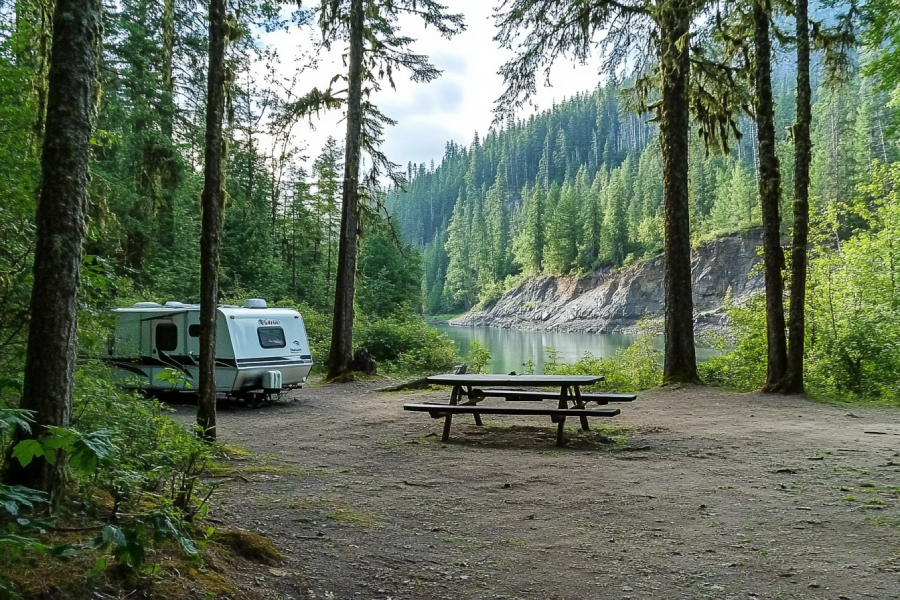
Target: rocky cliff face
(610, 301)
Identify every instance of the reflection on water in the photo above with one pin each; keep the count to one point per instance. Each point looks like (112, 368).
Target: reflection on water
(511, 348)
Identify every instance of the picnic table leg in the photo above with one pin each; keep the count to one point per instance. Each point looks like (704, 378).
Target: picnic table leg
(454, 399)
(561, 425)
(476, 415)
(560, 431)
(585, 426)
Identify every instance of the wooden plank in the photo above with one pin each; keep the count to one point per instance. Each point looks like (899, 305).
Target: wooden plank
(504, 410)
(514, 380)
(538, 395)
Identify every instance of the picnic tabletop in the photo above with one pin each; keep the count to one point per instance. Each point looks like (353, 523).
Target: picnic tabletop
(515, 380)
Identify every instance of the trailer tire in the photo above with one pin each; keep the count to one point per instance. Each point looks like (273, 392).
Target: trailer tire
(255, 399)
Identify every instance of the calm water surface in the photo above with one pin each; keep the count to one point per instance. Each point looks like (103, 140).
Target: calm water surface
(511, 348)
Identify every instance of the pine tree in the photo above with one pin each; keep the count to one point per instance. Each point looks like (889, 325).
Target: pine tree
(770, 196)
(528, 246)
(592, 218)
(460, 286)
(49, 374)
(560, 249)
(213, 203)
(383, 53)
(614, 232)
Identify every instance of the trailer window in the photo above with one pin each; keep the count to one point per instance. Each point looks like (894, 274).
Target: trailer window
(194, 330)
(166, 337)
(271, 337)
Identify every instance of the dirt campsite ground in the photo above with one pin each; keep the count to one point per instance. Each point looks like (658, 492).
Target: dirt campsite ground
(707, 494)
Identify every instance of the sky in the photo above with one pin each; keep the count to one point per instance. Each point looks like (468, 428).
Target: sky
(453, 107)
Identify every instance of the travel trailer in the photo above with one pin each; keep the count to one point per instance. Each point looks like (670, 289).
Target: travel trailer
(260, 351)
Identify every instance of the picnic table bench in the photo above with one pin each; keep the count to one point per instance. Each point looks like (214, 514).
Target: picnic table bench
(468, 388)
(538, 395)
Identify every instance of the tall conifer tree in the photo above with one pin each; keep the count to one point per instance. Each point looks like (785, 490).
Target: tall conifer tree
(61, 223)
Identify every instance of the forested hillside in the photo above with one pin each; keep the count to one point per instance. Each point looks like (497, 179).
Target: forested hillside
(579, 186)
(280, 221)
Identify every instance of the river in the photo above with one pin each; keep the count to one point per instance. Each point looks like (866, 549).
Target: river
(511, 348)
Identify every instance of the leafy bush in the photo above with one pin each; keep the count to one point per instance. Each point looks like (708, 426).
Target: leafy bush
(153, 459)
(478, 357)
(744, 367)
(852, 310)
(634, 368)
(404, 343)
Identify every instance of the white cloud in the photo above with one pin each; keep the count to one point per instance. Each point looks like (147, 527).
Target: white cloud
(454, 106)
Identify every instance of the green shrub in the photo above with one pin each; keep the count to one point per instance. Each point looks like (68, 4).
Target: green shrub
(634, 368)
(478, 357)
(404, 343)
(744, 367)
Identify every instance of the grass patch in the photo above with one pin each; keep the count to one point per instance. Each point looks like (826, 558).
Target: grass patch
(428, 438)
(235, 452)
(884, 522)
(351, 517)
(389, 443)
(332, 509)
(249, 545)
(465, 542)
(271, 470)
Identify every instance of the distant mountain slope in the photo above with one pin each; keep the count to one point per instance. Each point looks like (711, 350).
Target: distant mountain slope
(609, 301)
(577, 189)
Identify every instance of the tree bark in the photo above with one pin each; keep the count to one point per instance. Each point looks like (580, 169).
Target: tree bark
(793, 382)
(61, 224)
(769, 194)
(168, 78)
(211, 203)
(680, 364)
(341, 355)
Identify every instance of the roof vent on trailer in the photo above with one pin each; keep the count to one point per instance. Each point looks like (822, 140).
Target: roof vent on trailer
(147, 305)
(255, 303)
(171, 304)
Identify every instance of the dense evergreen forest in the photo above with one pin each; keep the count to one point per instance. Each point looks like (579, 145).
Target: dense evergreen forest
(579, 186)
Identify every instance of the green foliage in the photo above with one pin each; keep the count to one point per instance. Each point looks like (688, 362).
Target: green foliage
(637, 367)
(744, 367)
(14, 498)
(85, 451)
(389, 276)
(478, 357)
(853, 306)
(404, 343)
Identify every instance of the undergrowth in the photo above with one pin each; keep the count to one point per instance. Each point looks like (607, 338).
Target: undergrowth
(135, 499)
(632, 369)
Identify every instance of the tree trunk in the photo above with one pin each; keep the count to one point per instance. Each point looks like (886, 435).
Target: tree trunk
(211, 203)
(769, 194)
(164, 223)
(341, 356)
(168, 79)
(61, 214)
(680, 364)
(793, 383)
(41, 76)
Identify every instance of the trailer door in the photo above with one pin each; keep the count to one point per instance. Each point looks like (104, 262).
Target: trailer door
(167, 339)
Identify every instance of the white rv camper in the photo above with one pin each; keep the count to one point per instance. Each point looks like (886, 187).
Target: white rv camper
(260, 351)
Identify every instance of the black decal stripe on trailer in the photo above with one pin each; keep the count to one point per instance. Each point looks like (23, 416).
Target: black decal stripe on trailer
(264, 359)
(293, 363)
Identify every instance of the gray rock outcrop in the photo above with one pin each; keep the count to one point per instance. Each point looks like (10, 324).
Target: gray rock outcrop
(609, 300)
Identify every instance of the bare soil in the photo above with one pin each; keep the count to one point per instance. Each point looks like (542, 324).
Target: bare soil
(706, 494)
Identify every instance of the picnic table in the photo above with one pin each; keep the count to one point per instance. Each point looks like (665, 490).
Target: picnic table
(471, 390)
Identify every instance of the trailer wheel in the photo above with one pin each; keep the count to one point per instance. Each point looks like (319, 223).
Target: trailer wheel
(255, 399)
